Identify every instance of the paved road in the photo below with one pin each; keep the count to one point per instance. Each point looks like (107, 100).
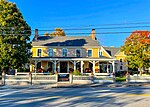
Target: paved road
(75, 97)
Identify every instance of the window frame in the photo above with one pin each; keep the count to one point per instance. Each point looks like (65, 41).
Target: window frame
(76, 53)
(37, 53)
(88, 52)
(63, 52)
(49, 52)
(100, 55)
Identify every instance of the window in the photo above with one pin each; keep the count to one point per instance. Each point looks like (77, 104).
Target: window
(120, 60)
(78, 53)
(121, 68)
(100, 53)
(89, 53)
(50, 51)
(64, 52)
(39, 52)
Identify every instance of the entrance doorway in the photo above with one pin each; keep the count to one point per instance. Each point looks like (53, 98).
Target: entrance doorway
(63, 67)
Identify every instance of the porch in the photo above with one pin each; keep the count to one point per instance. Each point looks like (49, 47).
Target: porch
(96, 66)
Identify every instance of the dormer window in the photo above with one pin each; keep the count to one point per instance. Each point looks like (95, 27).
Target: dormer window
(78, 52)
(89, 53)
(50, 52)
(39, 52)
(64, 52)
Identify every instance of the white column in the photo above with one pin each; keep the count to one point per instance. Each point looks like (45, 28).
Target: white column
(68, 67)
(74, 63)
(113, 64)
(107, 68)
(81, 67)
(55, 66)
(93, 67)
(35, 63)
(59, 67)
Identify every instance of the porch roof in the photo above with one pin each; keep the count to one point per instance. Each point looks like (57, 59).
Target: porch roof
(73, 59)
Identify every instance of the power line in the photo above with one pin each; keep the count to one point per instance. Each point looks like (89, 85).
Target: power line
(109, 24)
(125, 27)
(78, 33)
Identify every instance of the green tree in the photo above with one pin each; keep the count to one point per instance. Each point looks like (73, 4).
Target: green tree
(137, 50)
(57, 32)
(14, 37)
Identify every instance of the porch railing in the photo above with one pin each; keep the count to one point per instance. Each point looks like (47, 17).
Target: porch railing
(139, 79)
(29, 78)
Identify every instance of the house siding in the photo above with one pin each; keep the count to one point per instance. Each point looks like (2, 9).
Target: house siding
(95, 52)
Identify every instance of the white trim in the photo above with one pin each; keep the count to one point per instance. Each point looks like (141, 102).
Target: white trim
(99, 53)
(105, 51)
(68, 66)
(72, 59)
(92, 53)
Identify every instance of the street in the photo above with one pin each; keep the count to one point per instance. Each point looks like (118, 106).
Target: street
(75, 97)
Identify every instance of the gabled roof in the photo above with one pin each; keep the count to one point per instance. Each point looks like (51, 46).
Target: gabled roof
(112, 51)
(65, 41)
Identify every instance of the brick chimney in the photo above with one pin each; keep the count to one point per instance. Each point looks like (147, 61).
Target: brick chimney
(93, 34)
(36, 34)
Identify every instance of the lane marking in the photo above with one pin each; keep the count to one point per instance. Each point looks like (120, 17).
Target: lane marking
(138, 95)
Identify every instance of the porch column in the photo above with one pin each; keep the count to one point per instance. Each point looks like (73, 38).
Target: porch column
(55, 66)
(113, 64)
(107, 68)
(93, 67)
(59, 67)
(35, 63)
(68, 67)
(81, 67)
(74, 63)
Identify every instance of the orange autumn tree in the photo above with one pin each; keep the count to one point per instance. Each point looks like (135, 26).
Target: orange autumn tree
(137, 50)
(57, 32)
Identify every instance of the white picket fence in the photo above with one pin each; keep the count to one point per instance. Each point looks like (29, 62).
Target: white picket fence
(29, 78)
(92, 79)
(139, 79)
(42, 78)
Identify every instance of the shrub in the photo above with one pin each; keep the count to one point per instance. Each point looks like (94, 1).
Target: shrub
(76, 72)
(120, 79)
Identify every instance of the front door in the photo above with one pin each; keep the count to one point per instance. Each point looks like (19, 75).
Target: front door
(63, 67)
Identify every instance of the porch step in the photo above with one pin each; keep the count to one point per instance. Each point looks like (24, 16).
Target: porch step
(63, 82)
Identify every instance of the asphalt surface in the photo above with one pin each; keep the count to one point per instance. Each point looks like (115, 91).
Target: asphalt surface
(89, 95)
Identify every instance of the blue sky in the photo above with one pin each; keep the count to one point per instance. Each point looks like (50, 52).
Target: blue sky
(49, 14)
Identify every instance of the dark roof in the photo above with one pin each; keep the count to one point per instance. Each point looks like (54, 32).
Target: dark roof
(112, 51)
(65, 41)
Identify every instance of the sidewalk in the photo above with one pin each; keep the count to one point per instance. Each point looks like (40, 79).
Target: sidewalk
(68, 85)
(111, 85)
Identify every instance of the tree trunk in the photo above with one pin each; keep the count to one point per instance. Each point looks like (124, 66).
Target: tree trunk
(141, 71)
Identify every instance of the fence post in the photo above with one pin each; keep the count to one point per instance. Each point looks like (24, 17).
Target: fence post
(56, 74)
(3, 78)
(30, 78)
(127, 77)
(92, 78)
(71, 77)
(114, 77)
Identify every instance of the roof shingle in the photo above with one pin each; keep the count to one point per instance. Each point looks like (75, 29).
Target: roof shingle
(65, 41)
